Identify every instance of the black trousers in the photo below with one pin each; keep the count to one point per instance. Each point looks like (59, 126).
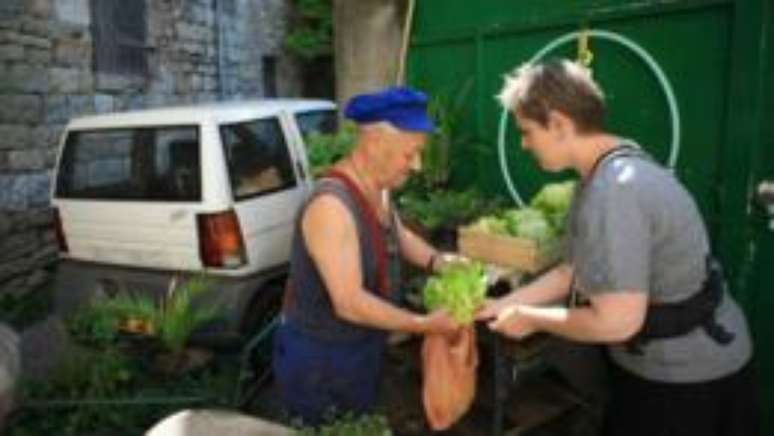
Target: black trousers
(729, 406)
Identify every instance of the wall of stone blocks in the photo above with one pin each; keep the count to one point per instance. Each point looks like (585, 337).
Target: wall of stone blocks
(47, 77)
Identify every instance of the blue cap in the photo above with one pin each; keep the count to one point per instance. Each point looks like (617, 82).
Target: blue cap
(403, 107)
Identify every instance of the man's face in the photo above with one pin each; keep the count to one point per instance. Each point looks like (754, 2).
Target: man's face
(544, 142)
(402, 156)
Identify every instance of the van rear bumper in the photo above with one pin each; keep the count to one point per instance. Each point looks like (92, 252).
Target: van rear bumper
(77, 283)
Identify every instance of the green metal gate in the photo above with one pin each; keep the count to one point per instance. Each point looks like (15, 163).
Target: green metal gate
(718, 56)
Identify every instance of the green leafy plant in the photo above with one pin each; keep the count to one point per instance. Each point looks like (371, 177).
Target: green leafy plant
(366, 425)
(325, 149)
(460, 289)
(172, 319)
(436, 208)
(447, 112)
(179, 317)
(311, 29)
(21, 311)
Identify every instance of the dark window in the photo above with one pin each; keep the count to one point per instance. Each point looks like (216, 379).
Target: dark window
(258, 158)
(317, 121)
(148, 164)
(269, 76)
(119, 30)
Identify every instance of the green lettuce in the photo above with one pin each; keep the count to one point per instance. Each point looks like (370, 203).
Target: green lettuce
(460, 289)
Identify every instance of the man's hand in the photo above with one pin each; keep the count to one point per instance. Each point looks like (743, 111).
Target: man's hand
(441, 322)
(510, 321)
(444, 259)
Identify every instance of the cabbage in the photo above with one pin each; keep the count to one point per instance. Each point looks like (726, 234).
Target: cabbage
(539, 230)
(554, 197)
(459, 289)
(543, 221)
(554, 200)
(492, 225)
(529, 223)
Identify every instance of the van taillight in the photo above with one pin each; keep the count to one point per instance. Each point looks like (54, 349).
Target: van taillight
(220, 240)
(61, 241)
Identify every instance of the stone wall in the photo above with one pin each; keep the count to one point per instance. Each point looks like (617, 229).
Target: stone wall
(197, 51)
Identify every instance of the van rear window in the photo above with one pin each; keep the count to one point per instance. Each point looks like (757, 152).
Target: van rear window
(317, 121)
(142, 164)
(258, 158)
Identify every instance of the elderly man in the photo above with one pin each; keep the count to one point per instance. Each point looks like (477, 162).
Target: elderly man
(341, 297)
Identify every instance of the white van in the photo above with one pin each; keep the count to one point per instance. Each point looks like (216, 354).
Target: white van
(142, 197)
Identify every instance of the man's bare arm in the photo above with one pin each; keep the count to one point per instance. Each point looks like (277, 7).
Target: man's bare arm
(331, 238)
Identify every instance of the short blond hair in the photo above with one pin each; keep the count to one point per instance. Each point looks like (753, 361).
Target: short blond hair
(536, 89)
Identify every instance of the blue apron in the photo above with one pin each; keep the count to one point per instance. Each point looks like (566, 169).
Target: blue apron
(319, 379)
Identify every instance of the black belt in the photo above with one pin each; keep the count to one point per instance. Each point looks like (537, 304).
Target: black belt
(668, 320)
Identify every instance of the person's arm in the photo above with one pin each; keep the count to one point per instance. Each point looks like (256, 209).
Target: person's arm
(548, 288)
(612, 317)
(420, 253)
(331, 238)
(415, 249)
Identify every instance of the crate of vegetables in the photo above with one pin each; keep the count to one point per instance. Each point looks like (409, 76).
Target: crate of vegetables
(528, 238)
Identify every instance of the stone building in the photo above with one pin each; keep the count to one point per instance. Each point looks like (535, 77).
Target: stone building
(64, 58)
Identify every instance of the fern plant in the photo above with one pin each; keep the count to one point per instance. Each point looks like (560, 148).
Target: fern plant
(172, 319)
(178, 317)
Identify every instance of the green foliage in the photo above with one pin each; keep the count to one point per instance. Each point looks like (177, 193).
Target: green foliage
(436, 157)
(179, 317)
(111, 392)
(84, 374)
(324, 150)
(543, 221)
(367, 425)
(95, 325)
(437, 208)
(311, 29)
(22, 311)
(460, 289)
(172, 320)
(426, 199)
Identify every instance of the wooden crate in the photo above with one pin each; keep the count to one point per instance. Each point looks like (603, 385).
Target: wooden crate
(519, 253)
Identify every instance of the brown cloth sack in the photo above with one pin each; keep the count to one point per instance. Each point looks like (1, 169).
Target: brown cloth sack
(449, 368)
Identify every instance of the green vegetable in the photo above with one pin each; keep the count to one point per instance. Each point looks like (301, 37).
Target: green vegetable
(554, 196)
(529, 223)
(554, 201)
(492, 225)
(460, 289)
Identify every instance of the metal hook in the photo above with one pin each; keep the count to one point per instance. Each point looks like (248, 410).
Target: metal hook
(585, 56)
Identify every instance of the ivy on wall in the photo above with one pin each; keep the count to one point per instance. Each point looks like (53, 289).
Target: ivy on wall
(311, 30)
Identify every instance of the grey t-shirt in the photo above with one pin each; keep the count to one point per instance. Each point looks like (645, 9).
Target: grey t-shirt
(634, 227)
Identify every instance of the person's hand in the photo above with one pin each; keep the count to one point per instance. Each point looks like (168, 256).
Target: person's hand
(491, 308)
(446, 258)
(441, 322)
(512, 322)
